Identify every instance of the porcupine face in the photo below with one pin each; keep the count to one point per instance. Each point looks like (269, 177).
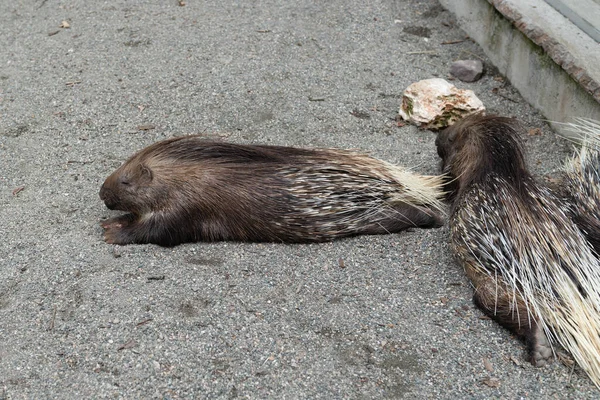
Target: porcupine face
(444, 144)
(129, 188)
(447, 150)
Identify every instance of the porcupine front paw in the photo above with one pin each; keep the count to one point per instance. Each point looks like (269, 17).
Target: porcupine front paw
(540, 350)
(115, 229)
(118, 222)
(112, 235)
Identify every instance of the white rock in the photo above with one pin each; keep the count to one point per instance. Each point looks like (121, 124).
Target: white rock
(436, 103)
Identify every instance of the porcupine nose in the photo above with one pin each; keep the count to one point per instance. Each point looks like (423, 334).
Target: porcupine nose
(108, 197)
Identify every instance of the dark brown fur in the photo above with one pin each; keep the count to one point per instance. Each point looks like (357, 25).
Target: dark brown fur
(479, 146)
(188, 189)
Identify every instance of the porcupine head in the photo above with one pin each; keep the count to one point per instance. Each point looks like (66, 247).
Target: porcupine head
(133, 188)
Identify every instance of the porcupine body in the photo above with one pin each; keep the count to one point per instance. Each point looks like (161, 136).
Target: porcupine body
(580, 185)
(532, 269)
(189, 189)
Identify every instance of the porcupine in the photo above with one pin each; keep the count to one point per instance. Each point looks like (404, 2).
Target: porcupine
(189, 189)
(532, 269)
(580, 183)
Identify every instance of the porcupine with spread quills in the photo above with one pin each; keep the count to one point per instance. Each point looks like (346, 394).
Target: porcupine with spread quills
(580, 182)
(189, 189)
(532, 269)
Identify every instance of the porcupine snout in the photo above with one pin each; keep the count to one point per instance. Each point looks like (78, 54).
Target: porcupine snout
(109, 197)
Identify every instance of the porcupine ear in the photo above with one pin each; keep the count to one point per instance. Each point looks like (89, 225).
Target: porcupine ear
(144, 174)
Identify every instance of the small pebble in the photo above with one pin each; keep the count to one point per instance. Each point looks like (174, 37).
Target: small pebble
(467, 70)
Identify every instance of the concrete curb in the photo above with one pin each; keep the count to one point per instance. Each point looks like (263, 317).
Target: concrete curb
(550, 61)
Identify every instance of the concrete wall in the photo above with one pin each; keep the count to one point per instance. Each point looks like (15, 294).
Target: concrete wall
(542, 82)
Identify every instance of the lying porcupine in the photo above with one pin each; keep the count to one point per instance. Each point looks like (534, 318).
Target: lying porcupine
(189, 189)
(532, 269)
(580, 185)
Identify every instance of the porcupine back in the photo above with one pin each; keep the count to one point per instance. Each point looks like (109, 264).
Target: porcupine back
(512, 233)
(581, 184)
(196, 189)
(344, 192)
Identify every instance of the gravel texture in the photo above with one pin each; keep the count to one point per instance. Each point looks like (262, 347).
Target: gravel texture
(83, 319)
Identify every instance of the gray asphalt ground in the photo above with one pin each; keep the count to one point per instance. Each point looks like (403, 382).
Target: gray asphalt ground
(83, 319)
